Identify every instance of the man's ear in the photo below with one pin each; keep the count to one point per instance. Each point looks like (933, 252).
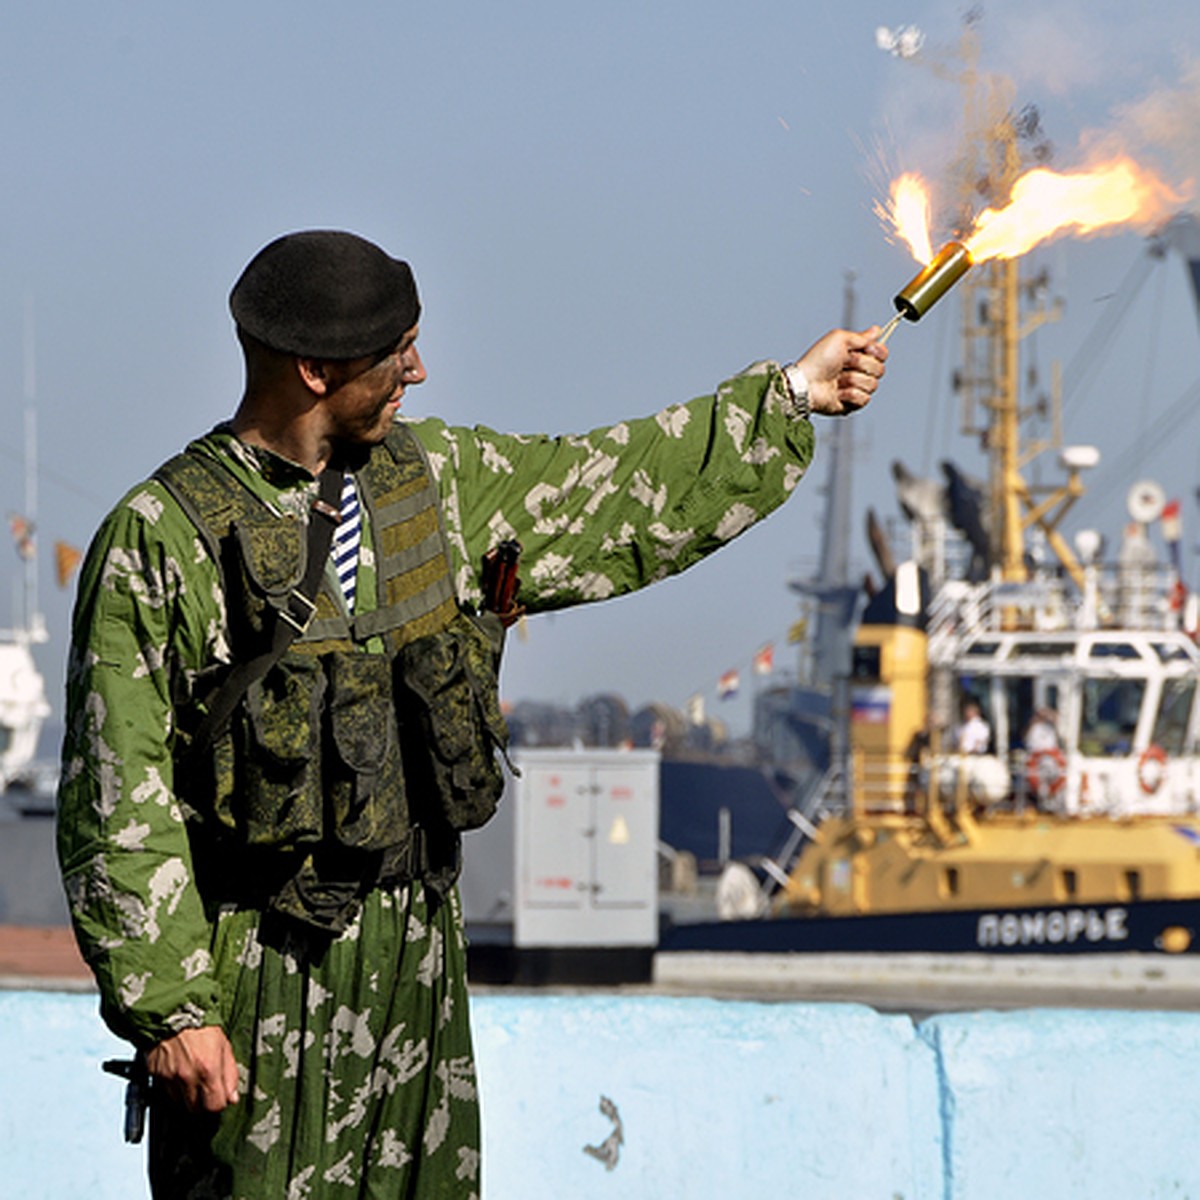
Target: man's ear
(316, 374)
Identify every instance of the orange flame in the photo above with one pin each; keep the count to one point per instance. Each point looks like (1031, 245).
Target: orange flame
(908, 213)
(1043, 205)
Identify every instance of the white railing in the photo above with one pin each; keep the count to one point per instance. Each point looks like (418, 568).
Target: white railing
(1116, 597)
(824, 797)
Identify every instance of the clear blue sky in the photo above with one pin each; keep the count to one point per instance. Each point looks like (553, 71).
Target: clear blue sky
(608, 208)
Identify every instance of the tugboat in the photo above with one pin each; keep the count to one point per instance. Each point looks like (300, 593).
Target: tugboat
(1021, 761)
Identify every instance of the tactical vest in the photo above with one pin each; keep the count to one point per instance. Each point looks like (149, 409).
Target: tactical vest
(342, 766)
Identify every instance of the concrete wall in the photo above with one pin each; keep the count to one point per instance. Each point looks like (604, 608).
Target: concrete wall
(717, 1099)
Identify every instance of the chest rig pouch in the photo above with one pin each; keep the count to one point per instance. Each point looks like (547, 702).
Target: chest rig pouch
(452, 726)
(342, 766)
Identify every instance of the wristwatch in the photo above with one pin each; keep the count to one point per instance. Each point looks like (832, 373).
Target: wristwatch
(797, 384)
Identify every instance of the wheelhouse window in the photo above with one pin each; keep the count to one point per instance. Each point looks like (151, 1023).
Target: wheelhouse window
(1174, 715)
(1125, 650)
(1026, 649)
(982, 650)
(866, 663)
(1109, 715)
(1024, 696)
(1172, 652)
(1018, 709)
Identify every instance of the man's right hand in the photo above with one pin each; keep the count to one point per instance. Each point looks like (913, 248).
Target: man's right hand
(843, 370)
(197, 1067)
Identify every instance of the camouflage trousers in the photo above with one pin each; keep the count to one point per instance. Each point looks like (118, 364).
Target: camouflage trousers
(357, 1077)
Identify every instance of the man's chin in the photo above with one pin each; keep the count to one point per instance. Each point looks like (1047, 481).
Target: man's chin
(383, 425)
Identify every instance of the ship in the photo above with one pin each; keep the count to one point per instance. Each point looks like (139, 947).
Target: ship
(30, 890)
(23, 711)
(24, 708)
(31, 893)
(1018, 766)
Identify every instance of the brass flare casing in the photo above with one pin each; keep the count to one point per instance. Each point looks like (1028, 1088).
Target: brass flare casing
(925, 289)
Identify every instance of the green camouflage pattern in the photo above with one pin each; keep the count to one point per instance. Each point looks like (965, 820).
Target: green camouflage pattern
(355, 1064)
(379, 1015)
(452, 723)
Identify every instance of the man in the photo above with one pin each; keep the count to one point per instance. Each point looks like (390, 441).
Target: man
(975, 734)
(262, 875)
(1041, 735)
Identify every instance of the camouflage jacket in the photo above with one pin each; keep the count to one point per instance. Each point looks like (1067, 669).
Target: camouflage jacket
(598, 515)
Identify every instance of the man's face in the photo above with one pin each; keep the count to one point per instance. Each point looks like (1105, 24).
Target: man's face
(366, 392)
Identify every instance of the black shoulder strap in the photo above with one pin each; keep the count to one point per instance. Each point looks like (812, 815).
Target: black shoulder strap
(290, 621)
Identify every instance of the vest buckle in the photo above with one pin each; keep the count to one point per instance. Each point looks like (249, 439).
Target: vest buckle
(298, 611)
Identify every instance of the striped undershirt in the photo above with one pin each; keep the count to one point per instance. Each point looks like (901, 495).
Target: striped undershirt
(347, 539)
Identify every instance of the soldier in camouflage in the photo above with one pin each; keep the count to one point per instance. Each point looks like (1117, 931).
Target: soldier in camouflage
(270, 911)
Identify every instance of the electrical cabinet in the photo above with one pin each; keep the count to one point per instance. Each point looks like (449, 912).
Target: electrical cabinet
(571, 858)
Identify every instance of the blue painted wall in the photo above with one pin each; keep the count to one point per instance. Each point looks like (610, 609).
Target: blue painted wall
(717, 1099)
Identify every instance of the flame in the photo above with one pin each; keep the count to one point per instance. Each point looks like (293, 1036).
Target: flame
(908, 211)
(1044, 204)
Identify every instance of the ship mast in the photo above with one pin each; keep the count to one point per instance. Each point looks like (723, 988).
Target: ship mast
(836, 596)
(994, 325)
(989, 384)
(834, 567)
(31, 625)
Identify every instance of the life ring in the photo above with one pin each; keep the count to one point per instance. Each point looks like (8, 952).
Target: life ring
(1152, 769)
(1053, 780)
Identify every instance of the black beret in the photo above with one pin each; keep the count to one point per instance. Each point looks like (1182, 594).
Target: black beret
(325, 294)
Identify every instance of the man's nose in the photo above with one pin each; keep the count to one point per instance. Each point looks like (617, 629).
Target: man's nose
(412, 367)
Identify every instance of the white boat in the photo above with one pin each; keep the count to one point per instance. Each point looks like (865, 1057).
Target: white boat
(23, 705)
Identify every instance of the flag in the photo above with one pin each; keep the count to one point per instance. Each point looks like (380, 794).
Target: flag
(798, 631)
(1172, 530)
(1172, 525)
(764, 660)
(22, 531)
(66, 559)
(1191, 616)
(728, 684)
(870, 705)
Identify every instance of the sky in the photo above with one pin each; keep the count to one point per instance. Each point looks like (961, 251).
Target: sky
(608, 209)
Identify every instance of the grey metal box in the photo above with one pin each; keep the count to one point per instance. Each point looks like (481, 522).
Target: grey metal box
(571, 857)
